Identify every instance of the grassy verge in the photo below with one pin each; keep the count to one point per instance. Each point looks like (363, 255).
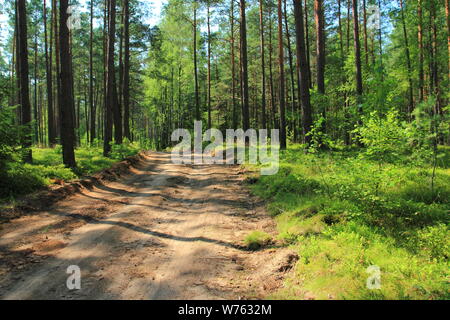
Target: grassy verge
(47, 168)
(344, 214)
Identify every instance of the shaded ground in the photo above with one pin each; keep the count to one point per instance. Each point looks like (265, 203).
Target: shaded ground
(162, 232)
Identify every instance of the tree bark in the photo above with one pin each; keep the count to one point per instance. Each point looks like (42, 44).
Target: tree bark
(93, 134)
(35, 95)
(126, 74)
(308, 54)
(292, 72)
(48, 69)
(103, 114)
(112, 84)
(233, 68)
(380, 41)
(349, 19)
(359, 82)
(112, 87)
(366, 44)
(23, 74)
(283, 139)
(303, 73)
(421, 53)
(408, 61)
(57, 68)
(66, 94)
(198, 116)
(209, 63)
(263, 66)
(245, 93)
(434, 60)
(320, 36)
(17, 65)
(110, 108)
(273, 115)
(341, 39)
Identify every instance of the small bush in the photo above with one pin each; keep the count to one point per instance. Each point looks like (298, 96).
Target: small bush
(122, 151)
(257, 240)
(53, 172)
(344, 213)
(21, 180)
(435, 242)
(17, 178)
(287, 182)
(384, 137)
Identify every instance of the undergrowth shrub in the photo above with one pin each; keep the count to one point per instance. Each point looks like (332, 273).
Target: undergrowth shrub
(287, 182)
(124, 150)
(257, 240)
(18, 178)
(344, 213)
(21, 179)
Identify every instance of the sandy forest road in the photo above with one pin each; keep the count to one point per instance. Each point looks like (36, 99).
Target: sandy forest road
(163, 232)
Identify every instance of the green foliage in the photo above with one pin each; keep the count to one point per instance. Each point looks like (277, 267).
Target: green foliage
(334, 265)
(10, 154)
(9, 137)
(286, 182)
(319, 138)
(19, 178)
(25, 178)
(348, 215)
(385, 138)
(124, 150)
(257, 240)
(435, 242)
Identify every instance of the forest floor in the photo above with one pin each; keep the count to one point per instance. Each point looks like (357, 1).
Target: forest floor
(163, 231)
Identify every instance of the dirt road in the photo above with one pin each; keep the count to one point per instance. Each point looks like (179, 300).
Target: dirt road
(163, 232)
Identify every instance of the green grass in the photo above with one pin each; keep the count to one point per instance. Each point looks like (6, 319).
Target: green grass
(47, 168)
(257, 240)
(344, 214)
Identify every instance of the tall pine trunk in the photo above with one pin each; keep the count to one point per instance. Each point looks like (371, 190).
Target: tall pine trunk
(93, 134)
(408, 61)
(48, 69)
(303, 73)
(273, 116)
(421, 53)
(233, 69)
(66, 100)
(198, 116)
(294, 108)
(245, 92)
(263, 66)
(23, 74)
(112, 84)
(366, 43)
(126, 71)
(110, 79)
(35, 95)
(320, 44)
(209, 64)
(57, 68)
(359, 81)
(282, 85)
(308, 54)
